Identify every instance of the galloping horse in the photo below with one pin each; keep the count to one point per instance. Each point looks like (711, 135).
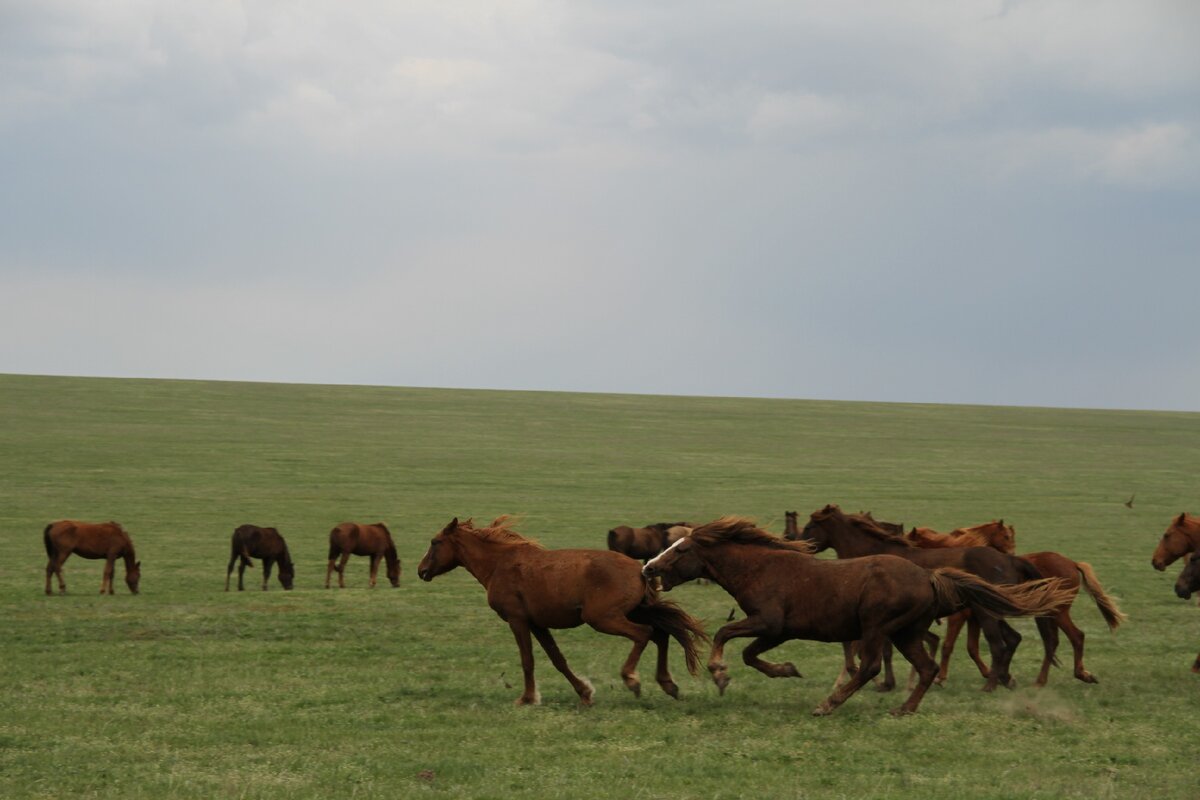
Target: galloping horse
(788, 594)
(993, 534)
(1050, 565)
(351, 538)
(1181, 537)
(251, 541)
(106, 540)
(645, 543)
(534, 589)
(853, 536)
(1189, 581)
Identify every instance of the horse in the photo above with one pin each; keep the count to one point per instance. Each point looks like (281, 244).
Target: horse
(645, 543)
(1181, 537)
(351, 538)
(251, 541)
(788, 594)
(106, 540)
(534, 589)
(853, 536)
(993, 534)
(1050, 565)
(1188, 582)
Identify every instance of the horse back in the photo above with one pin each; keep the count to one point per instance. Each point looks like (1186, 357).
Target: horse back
(87, 539)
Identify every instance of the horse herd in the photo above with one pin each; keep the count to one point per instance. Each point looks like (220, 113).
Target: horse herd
(885, 589)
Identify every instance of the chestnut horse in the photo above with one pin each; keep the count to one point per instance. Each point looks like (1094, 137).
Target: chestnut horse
(788, 594)
(645, 543)
(1181, 537)
(993, 534)
(1188, 582)
(106, 540)
(251, 541)
(534, 589)
(852, 536)
(351, 538)
(1051, 565)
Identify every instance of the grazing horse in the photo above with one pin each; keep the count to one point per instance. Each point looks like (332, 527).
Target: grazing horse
(993, 534)
(1050, 565)
(251, 541)
(645, 543)
(351, 538)
(853, 536)
(1189, 581)
(788, 594)
(1181, 537)
(534, 589)
(106, 540)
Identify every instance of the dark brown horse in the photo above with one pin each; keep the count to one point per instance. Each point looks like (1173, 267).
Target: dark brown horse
(106, 540)
(1074, 574)
(645, 543)
(352, 539)
(788, 594)
(534, 589)
(853, 536)
(1181, 537)
(1188, 582)
(251, 541)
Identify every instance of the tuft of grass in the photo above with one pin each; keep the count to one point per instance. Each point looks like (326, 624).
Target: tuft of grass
(188, 691)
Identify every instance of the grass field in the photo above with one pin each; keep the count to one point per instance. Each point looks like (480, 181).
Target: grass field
(186, 691)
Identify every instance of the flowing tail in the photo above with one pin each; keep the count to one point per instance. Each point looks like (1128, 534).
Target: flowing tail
(956, 589)
(46, 541)
(665, 616)
(1107, 605)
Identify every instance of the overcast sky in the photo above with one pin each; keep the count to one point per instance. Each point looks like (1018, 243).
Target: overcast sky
(960, 201)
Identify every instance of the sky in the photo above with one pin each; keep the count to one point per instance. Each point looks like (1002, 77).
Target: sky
(948, 201)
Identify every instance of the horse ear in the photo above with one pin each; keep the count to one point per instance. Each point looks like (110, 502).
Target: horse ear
(1002, 522)
(137, 564)
(1180, 518)
(452, 524)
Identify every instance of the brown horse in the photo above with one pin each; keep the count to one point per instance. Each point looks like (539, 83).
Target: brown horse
(853, 536)
(1050, 565)
(251, 541)
(645, 543)
(534, 589)
(106, 540)
(788, 594)
(993, 534)
(1188, 582)
(1181, 537)
(351, 538)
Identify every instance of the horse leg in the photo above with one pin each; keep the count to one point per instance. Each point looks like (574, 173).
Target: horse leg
(954, 625)
(266, 565)
(973, 646)
(911, 644)
(1196, 664)
(374, 569)
(762, 644)
(618, 624)
(341, 570)
(582, 686)
(1003, 641)
(106, 581)
(870, 654)
(229, 570)
(1063, 618)
(242, 574)
(521, 632)
(750, 626)
(329, 572)
(50, 570)
(662, 672)
(59, 560)
(1049, 632)
(889, 677)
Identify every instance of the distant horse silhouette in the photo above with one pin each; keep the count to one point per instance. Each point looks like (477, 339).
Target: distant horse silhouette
(788, 594)
(1181, 537)
(534, 589)
(106, 540)
(1188, 582)
(1050, 565)
(645, 543)
(251, 541)
(351, 538)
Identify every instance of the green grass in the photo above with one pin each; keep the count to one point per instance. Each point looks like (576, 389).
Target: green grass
(186, 691)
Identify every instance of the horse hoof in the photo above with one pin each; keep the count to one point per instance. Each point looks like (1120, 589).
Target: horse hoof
(721, 680)
(790, 671)
(670, 688)
(1010, 683)
(901, 711)
(939, 681)
(528, 701)
(1087, 677)
(634, 686)
(823, 710)
(885, 687)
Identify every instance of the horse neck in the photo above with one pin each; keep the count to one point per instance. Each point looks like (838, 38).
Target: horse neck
(390, 555)
(130, 558)
(480, 557)
(849, 542)
(736, 568)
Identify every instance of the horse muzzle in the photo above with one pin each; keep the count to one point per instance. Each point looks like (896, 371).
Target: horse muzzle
(1182, 593)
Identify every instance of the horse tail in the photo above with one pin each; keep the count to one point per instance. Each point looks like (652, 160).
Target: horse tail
(335, 550)
(956, 589)
(667, 617)
(1107, 605)
(46, 541)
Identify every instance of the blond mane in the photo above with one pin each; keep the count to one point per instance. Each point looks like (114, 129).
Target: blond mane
(741, 530)
(498, 532)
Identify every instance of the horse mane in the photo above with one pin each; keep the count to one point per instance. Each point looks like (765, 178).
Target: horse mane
(742, 530)
(874, 529)
(663, 527)
(498, 532)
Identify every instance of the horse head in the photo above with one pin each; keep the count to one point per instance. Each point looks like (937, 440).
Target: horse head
(1176, 542)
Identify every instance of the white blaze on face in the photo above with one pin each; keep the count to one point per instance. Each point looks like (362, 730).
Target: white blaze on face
(654, 561)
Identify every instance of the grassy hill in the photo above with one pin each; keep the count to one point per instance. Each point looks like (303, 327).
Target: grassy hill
(186, 691)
